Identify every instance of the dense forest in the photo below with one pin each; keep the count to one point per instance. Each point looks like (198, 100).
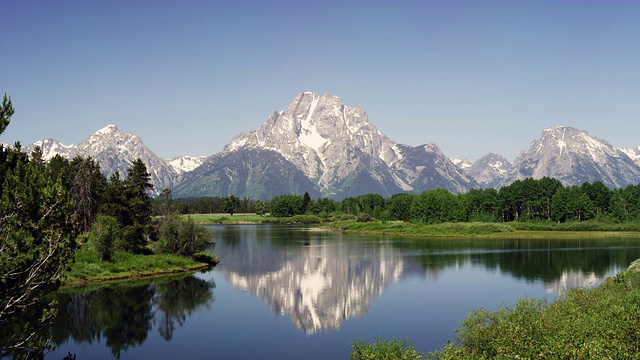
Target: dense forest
(523, 200)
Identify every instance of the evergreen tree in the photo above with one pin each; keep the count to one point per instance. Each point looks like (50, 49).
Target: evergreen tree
(138, 202)
(36, 242)
(6, 111)
(37, 158)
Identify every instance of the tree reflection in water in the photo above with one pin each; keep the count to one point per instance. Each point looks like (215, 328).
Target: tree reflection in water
(123, 313)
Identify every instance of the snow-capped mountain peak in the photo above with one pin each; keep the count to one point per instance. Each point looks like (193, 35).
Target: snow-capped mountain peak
(51, 148)
(321, 136)
(116, 151)
(106, 130)
(574, 157)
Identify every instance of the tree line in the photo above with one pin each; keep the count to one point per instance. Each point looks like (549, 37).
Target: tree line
(523, 200)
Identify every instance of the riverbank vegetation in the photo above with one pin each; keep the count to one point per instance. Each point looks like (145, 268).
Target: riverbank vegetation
(527, 205)
(598, 323)
(63, 220)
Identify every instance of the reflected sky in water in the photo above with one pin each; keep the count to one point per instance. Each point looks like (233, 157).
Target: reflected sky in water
(291, 292)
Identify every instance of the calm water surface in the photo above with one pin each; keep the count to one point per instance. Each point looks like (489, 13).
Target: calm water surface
(287, 292)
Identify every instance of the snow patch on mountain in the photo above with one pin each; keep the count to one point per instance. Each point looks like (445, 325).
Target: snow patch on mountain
(583, 158)
(183, 164)
(309, 134)
(632, 153)
(51, 148)
(462, 164)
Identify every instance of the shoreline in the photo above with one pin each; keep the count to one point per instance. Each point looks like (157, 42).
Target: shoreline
(141, 275)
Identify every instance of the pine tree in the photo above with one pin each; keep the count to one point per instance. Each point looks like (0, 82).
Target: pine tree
(137, 188)
(36, 242)
(6, 111)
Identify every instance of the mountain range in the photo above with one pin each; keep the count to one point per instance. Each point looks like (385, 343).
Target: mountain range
(321, 146)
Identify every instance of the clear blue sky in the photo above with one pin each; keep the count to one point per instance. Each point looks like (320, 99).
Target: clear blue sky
(187, 76)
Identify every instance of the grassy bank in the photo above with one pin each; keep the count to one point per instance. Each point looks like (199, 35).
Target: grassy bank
(209, 219)
(482, 229)
(600, 323)
(87, 267)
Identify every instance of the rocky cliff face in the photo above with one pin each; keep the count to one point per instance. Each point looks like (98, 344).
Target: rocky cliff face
(426, 167)
(574, 157)
(490, 170)
(342, 153)
(322, 146)
(252, 173)
(328, 141)
(51, 148)
(114, 151)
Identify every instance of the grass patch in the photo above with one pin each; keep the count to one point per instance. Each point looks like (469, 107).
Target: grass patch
(489, 230)
(410, 229)
(209, 219)
(87, 267)
(600, 323)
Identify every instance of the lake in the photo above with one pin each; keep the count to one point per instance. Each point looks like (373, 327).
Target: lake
(289, 292)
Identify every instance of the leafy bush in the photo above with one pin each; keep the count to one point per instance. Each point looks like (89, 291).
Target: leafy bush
(384, 350)
(345, 217)
(105, 233)
(180, 236)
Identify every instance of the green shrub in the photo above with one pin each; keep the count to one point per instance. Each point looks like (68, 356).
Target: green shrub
(180, 236)
(104, 234)
(345, 217)
(384, 350)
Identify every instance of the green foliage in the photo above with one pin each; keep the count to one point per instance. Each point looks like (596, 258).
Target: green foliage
(304, 219)
(6, 111)
(88, 267)
(434, 206)
(400, 207)
(105, 234)
(402, 228)
(180, 236)
(286, 205)
(133, 238)
(205, 257)
(36, 241)
(260, 208)
(384, 350)
(600, 323)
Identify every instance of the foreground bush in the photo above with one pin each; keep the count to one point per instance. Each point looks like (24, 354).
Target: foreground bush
(601, 323)
(384, 350)
(180, 236)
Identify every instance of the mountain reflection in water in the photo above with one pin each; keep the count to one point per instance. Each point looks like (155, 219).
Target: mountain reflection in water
(320, 279)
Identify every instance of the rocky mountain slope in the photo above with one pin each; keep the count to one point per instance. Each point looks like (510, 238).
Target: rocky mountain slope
(574, 157)
(339, 150)
(490, 170)
(114, 151)
(322, 146)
